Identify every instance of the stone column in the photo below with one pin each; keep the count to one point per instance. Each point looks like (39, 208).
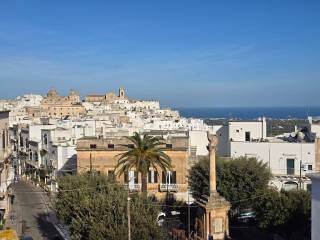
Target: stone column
(213, 141)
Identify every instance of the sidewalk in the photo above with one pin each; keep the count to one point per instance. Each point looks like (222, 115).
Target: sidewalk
(14, 218)
(51, 215)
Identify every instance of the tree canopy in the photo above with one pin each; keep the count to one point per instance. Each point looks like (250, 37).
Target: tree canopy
(95, 207)
(146, 152)
(237, 180)
(286, 212)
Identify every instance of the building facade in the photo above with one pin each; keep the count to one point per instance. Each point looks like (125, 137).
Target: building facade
(315, 206)
(6, 171)
(108, 98)
(102, 155)
(56, 106)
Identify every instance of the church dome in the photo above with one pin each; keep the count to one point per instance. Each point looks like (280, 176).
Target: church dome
(52, 93)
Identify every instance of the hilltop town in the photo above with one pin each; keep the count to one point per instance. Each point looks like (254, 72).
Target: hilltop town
(45, 137)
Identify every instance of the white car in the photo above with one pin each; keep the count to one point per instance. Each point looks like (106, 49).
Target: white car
(160, 218)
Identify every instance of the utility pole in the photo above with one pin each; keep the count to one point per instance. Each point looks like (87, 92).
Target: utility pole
(128, 214)
(300, 165)
(189, 234)
(300, 174)
(90, 165)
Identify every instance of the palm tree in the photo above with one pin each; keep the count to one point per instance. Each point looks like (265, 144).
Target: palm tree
(146, 152)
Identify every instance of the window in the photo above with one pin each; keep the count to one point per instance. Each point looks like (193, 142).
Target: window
(237, 130)
(110, 145)
(169, 177)
(153, 177)
(310, 167)
(168, 145)
(111, 175)
(131, 177)
(125, 177)
(93, 146)
(248, 137)
(130, 145)
(45, 139)
(3, 140)
(290, 166)
(309, 187)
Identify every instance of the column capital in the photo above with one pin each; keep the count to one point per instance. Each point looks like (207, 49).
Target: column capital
(213, 140)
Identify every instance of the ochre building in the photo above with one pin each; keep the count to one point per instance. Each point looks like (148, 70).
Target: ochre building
(56, 106)
(102, 156)
(108, 98)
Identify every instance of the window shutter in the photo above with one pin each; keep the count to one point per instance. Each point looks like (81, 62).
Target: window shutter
(149, 177)
(174, 177)
(125, 177)
(136, 177)
(163, 177)
(155, 177)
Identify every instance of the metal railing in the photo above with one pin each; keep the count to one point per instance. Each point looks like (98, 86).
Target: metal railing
(173, 187)
(133, 187)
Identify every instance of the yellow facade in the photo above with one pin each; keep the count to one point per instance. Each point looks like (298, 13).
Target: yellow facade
(55, 106)
(104, 159)
(8, 234)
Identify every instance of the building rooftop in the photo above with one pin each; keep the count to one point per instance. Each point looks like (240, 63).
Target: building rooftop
(314, 176)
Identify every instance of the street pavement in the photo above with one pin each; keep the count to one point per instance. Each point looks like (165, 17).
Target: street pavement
(30, 213)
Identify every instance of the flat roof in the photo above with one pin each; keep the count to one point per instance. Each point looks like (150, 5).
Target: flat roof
(314, 175)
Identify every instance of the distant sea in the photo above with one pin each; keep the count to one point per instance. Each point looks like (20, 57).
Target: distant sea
(251, 112)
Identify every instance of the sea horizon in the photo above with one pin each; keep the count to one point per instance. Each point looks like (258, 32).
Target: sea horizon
(249, 112)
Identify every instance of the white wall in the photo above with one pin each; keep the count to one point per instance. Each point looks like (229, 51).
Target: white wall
(276, 154)
(199, 140)
(237, 130)
(223, 148)
(315, 206)
(315, 128)
(64, 154)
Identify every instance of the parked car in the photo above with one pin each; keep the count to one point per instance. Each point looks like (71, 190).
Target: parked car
(246, 215)
(27, 238)
(161, 217)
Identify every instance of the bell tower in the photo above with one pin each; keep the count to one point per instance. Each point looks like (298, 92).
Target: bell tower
(121, 93)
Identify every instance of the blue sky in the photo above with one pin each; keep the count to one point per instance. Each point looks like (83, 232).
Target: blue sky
(183, 53)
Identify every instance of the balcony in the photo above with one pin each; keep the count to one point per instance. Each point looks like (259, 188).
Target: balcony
(133, 187)
(172, 187)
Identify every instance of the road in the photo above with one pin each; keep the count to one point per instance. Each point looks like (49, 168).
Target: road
(30, 211)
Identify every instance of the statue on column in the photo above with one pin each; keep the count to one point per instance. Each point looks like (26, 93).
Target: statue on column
(216, 207)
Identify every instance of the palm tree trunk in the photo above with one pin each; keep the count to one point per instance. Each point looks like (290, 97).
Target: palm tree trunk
(144, 182)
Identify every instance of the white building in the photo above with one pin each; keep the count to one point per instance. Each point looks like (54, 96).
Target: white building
(283, 158)
(6, 171)
(315, 206)
(240, 131)
(315, 125)
(284, 154)
(198, 142)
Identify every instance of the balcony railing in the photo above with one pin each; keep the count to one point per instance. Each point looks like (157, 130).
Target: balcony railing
(172, 187)
(133, 187)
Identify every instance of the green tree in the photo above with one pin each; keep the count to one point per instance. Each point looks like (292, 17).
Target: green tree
(95, 208)
(147, 151)
(238, 180)
(272, 209)
(287, 212)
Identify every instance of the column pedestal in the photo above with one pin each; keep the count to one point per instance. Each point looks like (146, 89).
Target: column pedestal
(217, 209)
